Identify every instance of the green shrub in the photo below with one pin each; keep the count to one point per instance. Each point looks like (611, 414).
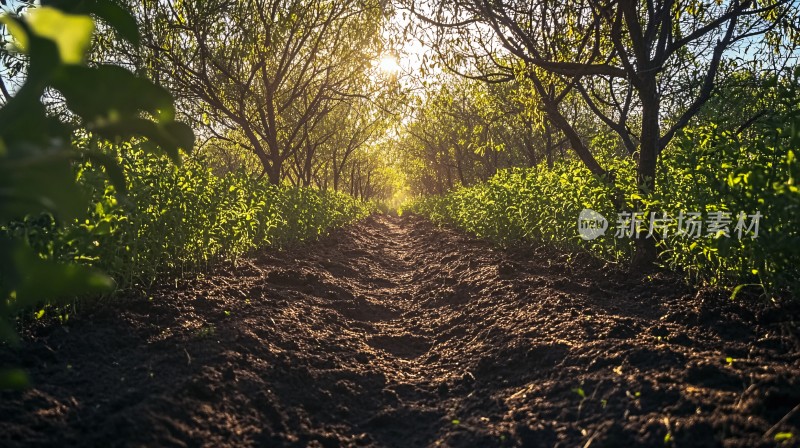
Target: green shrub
(177, 219)
(530, 204)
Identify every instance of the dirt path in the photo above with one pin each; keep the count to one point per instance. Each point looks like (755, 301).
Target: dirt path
(395, 333)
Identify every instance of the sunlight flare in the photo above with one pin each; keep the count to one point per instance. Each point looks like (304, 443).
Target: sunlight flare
(389, 64)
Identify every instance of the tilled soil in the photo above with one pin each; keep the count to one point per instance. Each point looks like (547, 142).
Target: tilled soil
(392, 332)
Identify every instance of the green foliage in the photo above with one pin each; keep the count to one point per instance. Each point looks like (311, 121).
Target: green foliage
(178, 219)
(531, 204)
(719, 170)
(707, 170)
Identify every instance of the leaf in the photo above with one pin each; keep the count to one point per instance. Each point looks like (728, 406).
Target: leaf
(72, 33)
(161, 135)
(17, 32)
(24, 122)
(43, 281)
(40, 182)
(109, 93)
(783, 436)
(44, 55)
(182, 134)
(739, 289)
(108, 10)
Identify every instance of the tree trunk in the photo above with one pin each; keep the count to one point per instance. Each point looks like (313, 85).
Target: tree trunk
(645, 255)
(273, 173)
(335, 175)
(460, 168)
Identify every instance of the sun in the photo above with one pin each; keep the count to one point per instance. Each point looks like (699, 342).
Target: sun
(389, 64)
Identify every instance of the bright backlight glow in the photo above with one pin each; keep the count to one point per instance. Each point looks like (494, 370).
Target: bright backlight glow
(389, 64)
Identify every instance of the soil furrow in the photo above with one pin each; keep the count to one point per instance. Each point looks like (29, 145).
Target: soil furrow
(392, 332)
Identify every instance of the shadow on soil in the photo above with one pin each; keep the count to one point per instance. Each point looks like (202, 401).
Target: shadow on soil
(392, 332)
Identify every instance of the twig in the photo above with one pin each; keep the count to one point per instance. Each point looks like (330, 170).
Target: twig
(591, 439)
(746, 391)
(782, 421)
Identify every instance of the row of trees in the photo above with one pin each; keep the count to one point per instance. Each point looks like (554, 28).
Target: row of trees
(288, 90)
(467, 130)
(638, 70)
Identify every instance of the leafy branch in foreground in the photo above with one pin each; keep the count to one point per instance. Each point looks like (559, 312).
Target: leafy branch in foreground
(36, 155)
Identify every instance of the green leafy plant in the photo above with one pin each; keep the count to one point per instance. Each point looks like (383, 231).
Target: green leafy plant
(176, 220)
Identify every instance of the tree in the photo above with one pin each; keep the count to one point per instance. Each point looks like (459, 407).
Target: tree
(271, 70)
(349, 128)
